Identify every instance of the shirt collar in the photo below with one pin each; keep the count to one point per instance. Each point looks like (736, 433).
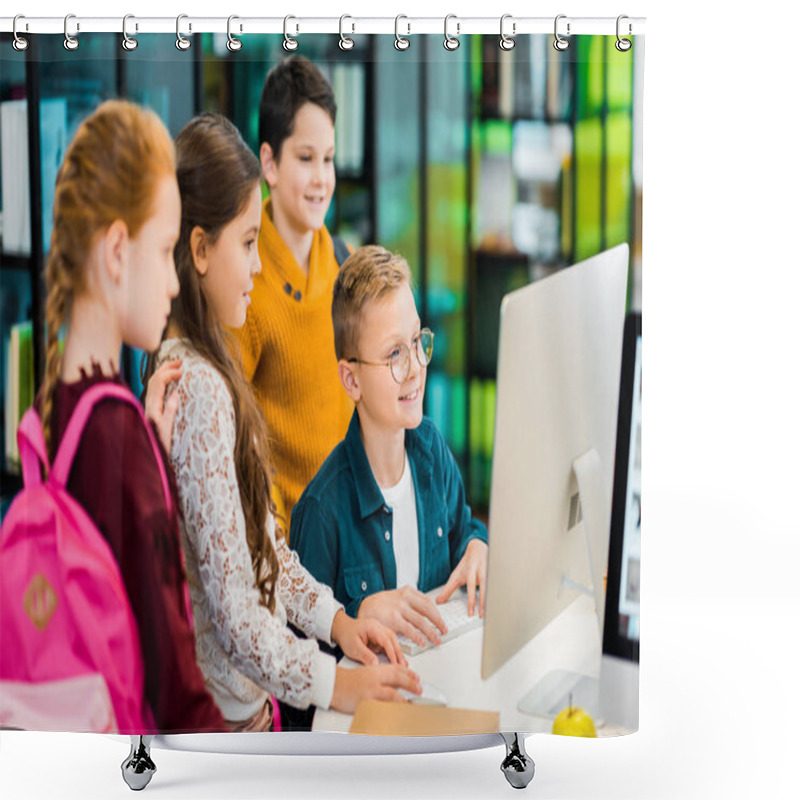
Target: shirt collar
(370, 498)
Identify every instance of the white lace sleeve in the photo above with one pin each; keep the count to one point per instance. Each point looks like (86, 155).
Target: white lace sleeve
(258, 644)
(310, 605)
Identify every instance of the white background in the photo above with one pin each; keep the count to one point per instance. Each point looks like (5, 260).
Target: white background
(720, 598)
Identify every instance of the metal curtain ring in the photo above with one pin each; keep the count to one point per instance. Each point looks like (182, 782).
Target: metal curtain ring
(128, 43)
(560, 43)
(20, 43)
(289, 43)
(181, 42)
(507, 42)
(451, 42)
(400, 42)
(233, 43)
(345, 42)
(623, 45)
(70, 42)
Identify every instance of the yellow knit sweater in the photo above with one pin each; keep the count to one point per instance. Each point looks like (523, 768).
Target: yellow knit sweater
(288, 356)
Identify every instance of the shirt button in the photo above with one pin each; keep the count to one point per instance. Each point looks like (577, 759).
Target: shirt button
(439, 532)
(363, 586)
(387, 536)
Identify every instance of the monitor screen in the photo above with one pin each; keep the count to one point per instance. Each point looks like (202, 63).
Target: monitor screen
(558, 377)
(621, 629)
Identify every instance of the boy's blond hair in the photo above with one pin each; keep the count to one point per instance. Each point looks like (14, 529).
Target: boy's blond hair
(367, 275)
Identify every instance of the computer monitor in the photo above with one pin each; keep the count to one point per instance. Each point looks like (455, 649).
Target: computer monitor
(617, 689)
(621, 628)
(612, 696)
(553, 462)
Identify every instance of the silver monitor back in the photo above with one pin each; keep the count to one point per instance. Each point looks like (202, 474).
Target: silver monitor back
(558, 378)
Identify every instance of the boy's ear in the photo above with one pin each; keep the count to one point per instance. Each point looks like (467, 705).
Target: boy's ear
(268, 165)
(349, 379)
(198, 243)
(115, 250)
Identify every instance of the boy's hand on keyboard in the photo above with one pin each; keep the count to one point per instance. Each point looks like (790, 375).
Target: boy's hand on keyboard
(372, 683)
(358, 638)
(471, 570)
(406, 611)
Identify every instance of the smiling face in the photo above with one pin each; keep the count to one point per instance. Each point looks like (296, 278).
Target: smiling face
(229, 265)
(302, 181)
(150, 281)
(386, 324)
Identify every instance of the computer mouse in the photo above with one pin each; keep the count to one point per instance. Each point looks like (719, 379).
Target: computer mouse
(431, 696)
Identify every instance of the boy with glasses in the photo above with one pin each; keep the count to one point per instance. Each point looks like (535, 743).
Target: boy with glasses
(385, 518)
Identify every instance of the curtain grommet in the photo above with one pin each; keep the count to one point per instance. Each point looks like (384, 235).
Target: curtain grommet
(451, 42)
(559, 42)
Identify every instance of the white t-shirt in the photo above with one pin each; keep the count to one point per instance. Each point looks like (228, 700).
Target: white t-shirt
(405, 537)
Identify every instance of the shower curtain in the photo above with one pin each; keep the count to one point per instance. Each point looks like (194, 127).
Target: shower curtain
(490, 163)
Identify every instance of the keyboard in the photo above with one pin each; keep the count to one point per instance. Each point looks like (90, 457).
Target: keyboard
(455, 616)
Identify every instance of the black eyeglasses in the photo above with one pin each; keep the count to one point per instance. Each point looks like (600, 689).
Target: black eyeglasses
(400, 360)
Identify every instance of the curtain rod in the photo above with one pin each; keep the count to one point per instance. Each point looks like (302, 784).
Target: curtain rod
(345, 25)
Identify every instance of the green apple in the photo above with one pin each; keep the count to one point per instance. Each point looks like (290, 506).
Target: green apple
(574, 721)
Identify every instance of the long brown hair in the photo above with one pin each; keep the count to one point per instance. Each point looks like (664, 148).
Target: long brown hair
(110, 172)
(216, 176)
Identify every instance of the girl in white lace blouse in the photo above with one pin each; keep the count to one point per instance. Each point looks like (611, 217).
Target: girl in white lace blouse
(245, 582)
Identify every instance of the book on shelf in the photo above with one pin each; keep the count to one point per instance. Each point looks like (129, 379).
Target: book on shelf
(522, 78)
(559, 85)
(16, 169)
(532, 81)
(537, 68)
(490, 82)
(16, 181)
(19, 386)
(495, 197)
(506, 88)
(349, 82)
(53, 116)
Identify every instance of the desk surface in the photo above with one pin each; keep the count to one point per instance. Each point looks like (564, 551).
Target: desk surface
(571, 641)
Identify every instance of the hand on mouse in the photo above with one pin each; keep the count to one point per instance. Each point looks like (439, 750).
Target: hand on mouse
(381, 682)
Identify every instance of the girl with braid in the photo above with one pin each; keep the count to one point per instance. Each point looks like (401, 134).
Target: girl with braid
(110, 280)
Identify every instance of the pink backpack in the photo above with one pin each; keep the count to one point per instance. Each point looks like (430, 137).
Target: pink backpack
(70, 658)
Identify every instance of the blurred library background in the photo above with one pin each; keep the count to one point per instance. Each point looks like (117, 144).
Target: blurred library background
(486, 169)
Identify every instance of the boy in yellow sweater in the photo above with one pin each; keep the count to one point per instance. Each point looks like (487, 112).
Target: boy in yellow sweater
(287, 341)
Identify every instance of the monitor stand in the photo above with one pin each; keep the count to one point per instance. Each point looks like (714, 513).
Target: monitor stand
(560, 688)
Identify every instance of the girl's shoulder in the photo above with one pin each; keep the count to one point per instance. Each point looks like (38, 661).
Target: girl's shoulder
(197, 372)
(115, 456)
(204, 397)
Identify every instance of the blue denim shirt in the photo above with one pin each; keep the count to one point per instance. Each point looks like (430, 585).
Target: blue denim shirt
(342, 528)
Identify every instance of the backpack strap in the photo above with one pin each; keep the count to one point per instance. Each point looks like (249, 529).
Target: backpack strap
(340, 250)
(62, 464)
(32, 448)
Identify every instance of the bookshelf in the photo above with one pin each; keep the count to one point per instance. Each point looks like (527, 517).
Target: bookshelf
(486, 169)
(176, 85)
(551, 160)
(422, 203)
(495, 168)
(57, 89)
(21, 251)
